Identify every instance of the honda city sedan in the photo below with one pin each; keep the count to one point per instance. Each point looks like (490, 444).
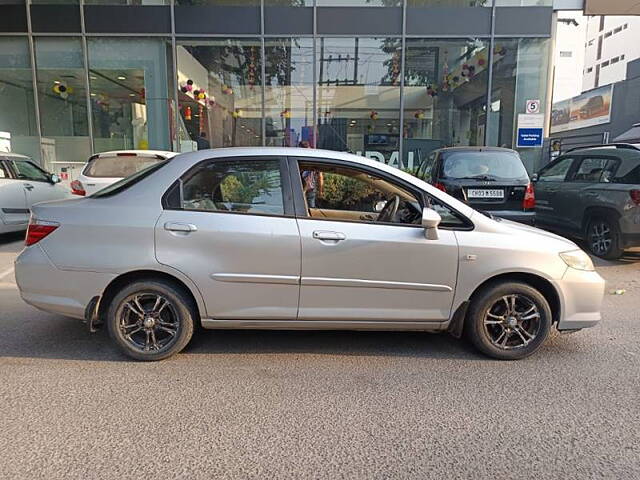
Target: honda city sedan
(287, 238)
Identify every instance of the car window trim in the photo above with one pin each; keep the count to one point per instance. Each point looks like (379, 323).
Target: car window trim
(287, 196)
(423, 197)
(579, 159)
(8, 169)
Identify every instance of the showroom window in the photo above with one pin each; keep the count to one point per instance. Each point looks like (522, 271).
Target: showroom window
(62, 99)
(18, 129)
(129, 93)
(227, 3)
(220, 93)
(358, 96)
(445, 94)
(127, 2)
(520, 68)
(359, 3)
(289, 92)
(449, 3)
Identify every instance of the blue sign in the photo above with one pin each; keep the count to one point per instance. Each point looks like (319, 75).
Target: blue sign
(529, 137)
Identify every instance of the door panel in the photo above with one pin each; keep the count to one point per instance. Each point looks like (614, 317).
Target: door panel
(551, 180)
(361, 271)
(245, 266)
(13, 202)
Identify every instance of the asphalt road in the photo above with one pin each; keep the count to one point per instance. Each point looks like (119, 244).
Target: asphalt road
(250, 404)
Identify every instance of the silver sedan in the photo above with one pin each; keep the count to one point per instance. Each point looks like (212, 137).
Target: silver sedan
(284, 238)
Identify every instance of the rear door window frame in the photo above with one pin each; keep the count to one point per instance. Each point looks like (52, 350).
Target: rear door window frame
(579, 159)
(168, 201)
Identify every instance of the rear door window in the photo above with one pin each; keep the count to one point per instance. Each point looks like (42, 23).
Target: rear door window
(595, 170)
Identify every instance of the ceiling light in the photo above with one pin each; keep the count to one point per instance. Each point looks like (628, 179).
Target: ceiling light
(93, 94)
(121, 77)
(132, 94)
(93, 78)
(57, 82)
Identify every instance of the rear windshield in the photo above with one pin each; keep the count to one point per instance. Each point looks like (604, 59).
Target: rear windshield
(483, 165)
(114, 166)
(122, 185)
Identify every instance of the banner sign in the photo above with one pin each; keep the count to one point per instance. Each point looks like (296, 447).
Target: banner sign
(586, 110)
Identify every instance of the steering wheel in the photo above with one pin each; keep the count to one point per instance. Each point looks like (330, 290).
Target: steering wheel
(388, 213)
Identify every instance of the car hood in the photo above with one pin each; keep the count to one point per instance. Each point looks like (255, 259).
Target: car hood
(564, 244)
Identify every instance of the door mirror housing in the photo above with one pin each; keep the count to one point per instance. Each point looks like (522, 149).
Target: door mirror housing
(430, 221)
(534, 177)
(54, 178)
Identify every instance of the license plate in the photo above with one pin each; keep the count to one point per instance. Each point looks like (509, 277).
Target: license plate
(485, 193)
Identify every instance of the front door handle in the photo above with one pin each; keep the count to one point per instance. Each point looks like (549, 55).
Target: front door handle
(28, 186)
(180, 227)
(327, 235)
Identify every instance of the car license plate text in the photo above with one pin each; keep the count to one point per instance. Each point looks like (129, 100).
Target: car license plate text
(485, 193)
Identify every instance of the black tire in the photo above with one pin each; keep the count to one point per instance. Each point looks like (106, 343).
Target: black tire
(178, 315)
(486, 307)
(604, 239)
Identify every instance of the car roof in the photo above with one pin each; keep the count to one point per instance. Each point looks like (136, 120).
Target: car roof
(625, 153)
(13, 156)
(141, 153)
(468, 148)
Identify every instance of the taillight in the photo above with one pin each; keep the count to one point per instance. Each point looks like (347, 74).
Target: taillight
(635, 196)
(77, 188)
(440, 186)
(529, 200)
(37, 230)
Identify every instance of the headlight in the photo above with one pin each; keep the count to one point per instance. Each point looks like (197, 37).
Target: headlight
(578, 259)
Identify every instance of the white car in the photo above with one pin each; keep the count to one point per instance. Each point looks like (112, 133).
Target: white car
(106, 168)
(22, 184)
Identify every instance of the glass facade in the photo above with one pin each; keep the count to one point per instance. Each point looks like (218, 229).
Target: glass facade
(390, 79)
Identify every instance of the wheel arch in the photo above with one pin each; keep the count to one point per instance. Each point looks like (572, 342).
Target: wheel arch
(594, 212)
(544, 286)
(136, 275)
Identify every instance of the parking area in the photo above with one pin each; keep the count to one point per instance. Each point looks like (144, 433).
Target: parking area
(254, 404)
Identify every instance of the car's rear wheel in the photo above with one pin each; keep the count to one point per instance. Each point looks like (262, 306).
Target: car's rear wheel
(508, 320)
(603, 238)
(151, 320)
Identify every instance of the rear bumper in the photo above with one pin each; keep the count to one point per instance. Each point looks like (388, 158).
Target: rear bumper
(582, 294)
(48, 288)
(528, 218)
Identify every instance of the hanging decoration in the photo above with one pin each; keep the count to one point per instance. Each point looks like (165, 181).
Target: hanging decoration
(227, 90)
(373, 115)
(419, 114)
(286, 113)
(431, 91)
(251, 77)
(395, 67)
(187, 113)
(237, 113)
(62, 89)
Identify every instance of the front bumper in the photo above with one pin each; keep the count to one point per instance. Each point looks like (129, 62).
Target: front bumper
(46, 287)
(581, 296)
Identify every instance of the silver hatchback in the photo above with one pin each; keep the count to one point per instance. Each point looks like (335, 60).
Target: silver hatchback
(298, 239)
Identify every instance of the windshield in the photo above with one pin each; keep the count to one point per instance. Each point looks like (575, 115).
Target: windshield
(485, 165)
(125, 183)
(118, 166)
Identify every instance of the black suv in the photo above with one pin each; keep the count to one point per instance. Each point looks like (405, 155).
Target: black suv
(489, 179)
(593, 193)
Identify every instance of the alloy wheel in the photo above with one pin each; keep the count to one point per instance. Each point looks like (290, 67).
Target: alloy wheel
(148, 322)
(600, 238)
(512, 322)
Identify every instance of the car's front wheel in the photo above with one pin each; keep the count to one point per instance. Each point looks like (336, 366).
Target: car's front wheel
(151, 320)
(508, 320)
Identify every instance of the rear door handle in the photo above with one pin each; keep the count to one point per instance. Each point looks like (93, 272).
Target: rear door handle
(28, 186)
(180, 227)
(327, 235)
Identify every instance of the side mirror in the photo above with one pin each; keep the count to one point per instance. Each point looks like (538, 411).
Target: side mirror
(534, 177)
(430, 221)
(54, 178)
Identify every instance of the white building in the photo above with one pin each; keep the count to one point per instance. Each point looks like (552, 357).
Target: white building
(610, 43)
(569, 55)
